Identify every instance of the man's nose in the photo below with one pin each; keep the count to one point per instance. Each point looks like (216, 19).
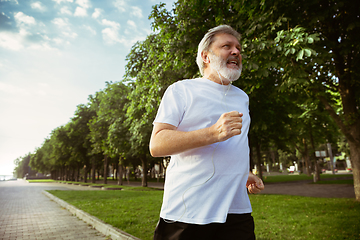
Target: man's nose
(235, 52)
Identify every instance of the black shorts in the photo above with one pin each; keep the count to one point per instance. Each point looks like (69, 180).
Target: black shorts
(237, 226)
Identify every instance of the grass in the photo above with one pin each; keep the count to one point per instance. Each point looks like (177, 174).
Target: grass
(41, 180)
(295, 217)
(276, 216)
(341, 181)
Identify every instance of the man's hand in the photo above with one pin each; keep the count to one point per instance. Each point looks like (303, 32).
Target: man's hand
(254, 184)
(228, 125)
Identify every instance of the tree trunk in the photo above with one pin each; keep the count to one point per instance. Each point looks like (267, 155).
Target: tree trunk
(258, 154)
(316, 164)
(93, 170)
(105, 169)
(120, 171)
(78, 174)
(144, 168)
(355, 164)
(306, 158)
(85, 173)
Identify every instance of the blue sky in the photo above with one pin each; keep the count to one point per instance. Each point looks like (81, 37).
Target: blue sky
(54, 54)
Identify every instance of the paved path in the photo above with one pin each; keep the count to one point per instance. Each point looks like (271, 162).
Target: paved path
(26, 213)
(311, 190)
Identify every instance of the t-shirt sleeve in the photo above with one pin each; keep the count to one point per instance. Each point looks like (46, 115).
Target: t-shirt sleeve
(172, 107)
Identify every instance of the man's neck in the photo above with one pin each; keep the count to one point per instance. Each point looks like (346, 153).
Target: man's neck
(217, 78)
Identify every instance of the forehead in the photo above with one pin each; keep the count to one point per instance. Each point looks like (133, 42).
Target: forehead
(223, 38)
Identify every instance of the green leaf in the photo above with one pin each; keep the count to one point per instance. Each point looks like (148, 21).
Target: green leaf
(307, 52)
(300, 55)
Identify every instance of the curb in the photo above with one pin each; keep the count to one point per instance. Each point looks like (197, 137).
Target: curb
(104, 228)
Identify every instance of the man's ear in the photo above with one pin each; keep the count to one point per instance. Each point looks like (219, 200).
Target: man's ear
(205, 57)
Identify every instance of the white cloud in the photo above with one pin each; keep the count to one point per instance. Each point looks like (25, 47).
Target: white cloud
(90, 29)
(15, 1)
(110, 23)
(38, 5)
(16, 41)
(60, 1)
(111, 36)
(137, 12)
(22, 19)
(120, 5)
(58, 41)
(96, 13)
(83, 3)
(61, 22)
(131, 24)
(30, 35)
(10, 41)
(65, 10)
(70, 34)
(12, 89)
(80, 12)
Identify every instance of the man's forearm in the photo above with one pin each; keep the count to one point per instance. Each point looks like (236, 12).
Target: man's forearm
(169, 142)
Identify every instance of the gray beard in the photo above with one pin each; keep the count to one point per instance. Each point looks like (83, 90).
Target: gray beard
(220, 66)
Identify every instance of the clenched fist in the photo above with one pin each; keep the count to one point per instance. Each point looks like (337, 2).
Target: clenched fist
(228, 125)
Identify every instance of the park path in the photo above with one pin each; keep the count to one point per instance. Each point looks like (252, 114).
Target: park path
(26, 213)
(304, 188)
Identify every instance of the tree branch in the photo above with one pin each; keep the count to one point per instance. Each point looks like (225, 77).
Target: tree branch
(336, 118)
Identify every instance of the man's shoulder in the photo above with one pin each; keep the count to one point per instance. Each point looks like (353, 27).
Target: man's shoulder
(185, 84)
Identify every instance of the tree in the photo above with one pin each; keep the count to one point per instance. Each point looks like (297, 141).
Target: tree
(80, 139)
(110, 118)
(22, 168)
(330, 73)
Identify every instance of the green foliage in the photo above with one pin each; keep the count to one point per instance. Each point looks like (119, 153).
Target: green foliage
(23, 168)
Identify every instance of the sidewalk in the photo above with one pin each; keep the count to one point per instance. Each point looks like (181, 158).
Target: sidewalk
(26, 213)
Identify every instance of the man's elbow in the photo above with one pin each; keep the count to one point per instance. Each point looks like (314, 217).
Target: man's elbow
(154, 151)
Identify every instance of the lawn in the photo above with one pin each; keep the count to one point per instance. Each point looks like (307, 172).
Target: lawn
(41, 180)
(276, 216)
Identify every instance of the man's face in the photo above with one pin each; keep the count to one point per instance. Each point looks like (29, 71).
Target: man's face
(225, 56)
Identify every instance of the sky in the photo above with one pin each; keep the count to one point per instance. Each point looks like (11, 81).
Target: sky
(53, 55)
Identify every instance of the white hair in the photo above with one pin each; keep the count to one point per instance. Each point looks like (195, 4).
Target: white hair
(208, 39)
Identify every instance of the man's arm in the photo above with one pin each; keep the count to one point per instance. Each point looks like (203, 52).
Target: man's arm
(167, 140)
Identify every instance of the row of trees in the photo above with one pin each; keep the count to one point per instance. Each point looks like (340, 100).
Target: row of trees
(299, 62)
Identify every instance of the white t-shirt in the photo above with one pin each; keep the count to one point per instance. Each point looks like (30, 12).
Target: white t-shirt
(204, 184)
